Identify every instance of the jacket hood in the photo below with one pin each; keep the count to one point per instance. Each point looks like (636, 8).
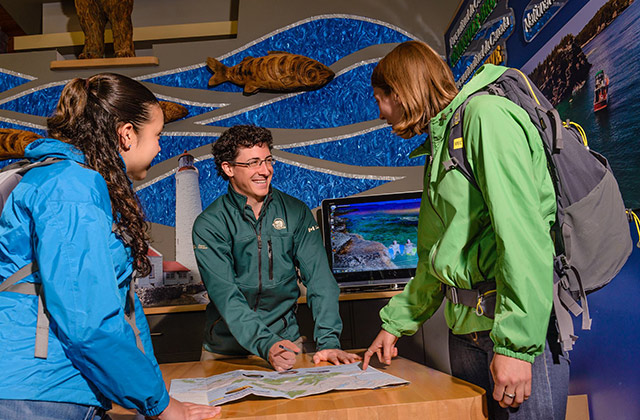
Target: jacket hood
(46, 147)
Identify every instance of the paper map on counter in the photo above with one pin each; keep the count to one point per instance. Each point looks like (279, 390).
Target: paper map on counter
(230, 386)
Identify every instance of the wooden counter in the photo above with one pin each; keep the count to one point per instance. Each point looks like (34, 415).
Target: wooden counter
(154, 310)
(430, 395)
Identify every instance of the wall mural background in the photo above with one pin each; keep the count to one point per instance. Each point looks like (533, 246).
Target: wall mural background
(342, 117)
(562, 46)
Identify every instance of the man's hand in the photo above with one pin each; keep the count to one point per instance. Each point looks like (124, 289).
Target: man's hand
(283, 358)
(512, 378)
(177, 410)
(384, 346)
(335, 356)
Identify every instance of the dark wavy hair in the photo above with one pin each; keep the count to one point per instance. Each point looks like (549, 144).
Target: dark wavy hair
(226, 148)
(88, 115)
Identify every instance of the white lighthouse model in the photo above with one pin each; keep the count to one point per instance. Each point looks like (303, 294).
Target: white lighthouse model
(188, 207)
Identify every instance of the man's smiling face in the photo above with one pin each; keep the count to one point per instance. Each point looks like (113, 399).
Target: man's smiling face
(252, 182)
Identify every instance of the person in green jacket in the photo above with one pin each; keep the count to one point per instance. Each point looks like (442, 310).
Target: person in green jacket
(250, 245)
(496, 234)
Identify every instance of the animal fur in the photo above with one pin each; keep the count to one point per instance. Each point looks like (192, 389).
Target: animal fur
(172, 111)
(13, 142)
(277, 71)
(93, 16)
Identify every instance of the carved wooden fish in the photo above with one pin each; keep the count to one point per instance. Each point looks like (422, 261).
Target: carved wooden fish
(173, 111)
(13, 142)
(277, 71)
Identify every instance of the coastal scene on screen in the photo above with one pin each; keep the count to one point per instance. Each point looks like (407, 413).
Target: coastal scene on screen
(374, 236)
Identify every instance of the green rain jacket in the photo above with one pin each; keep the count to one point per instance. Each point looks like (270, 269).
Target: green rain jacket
(249, 269)
(500, 233)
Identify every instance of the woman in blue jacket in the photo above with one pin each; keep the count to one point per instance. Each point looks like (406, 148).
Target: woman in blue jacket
(79, 224)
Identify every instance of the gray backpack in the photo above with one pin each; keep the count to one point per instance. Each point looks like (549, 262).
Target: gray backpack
(10, 176)
(591, 233)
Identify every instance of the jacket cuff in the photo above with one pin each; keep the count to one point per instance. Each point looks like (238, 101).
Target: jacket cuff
(159, 407)
(264, 350)
(388, 328)
(332, 343)
(506, 352)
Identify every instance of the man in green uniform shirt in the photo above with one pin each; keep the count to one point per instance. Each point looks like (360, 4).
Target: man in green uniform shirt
(250, 245)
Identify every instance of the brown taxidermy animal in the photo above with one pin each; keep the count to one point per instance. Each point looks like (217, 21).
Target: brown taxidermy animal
(277, 71)
(93, 16)
(13, 142)
(172, 111)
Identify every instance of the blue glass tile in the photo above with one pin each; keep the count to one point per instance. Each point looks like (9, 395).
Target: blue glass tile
(9, 81)
(376, 148)
(173, 146)
(159, 199)
(197, 78)
(324, 40)
(348, 99)
(41, 102)
(312, 187)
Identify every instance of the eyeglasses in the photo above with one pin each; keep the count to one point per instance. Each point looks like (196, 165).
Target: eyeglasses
(255, 163)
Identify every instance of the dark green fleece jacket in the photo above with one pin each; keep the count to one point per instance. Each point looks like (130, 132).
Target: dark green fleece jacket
(249, 269)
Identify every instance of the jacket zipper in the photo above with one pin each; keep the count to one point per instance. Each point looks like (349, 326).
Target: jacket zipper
(270, 250)
(259, 235)
(263, 211)
(429, 168)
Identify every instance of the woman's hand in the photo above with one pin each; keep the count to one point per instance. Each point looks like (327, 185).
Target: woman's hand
(177, 410)
(384, 346)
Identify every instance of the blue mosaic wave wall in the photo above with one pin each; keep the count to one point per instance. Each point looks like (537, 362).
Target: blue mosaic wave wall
(43, 102)
(173, 146)
(344, 101)
(377, 148)
(311, 187)
(348, 99)
(9, 81)
(324, 40)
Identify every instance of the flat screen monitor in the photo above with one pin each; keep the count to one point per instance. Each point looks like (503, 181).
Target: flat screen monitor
(371, 240)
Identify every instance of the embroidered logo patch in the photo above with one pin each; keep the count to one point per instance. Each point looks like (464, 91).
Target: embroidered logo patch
(457, 143)
(278, 224)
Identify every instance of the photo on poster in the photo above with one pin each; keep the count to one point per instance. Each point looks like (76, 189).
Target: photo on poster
(589, 71)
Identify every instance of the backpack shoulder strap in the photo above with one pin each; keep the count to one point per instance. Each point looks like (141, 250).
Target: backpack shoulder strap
(42, 323)
(9, 285)
(10, 176)
(456, 144)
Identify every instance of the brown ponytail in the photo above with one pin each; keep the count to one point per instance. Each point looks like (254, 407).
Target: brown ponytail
(88, 116)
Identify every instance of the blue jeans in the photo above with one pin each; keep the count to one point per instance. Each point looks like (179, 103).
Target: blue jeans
(471, 356)
(46, 410)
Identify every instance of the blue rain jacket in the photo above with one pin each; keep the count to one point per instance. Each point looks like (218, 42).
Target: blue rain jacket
(60, 215)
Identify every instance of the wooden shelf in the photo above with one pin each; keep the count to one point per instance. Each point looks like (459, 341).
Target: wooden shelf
(146, 33)
(104, 62)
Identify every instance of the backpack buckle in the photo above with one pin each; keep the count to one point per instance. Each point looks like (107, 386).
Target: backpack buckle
(481, 300)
